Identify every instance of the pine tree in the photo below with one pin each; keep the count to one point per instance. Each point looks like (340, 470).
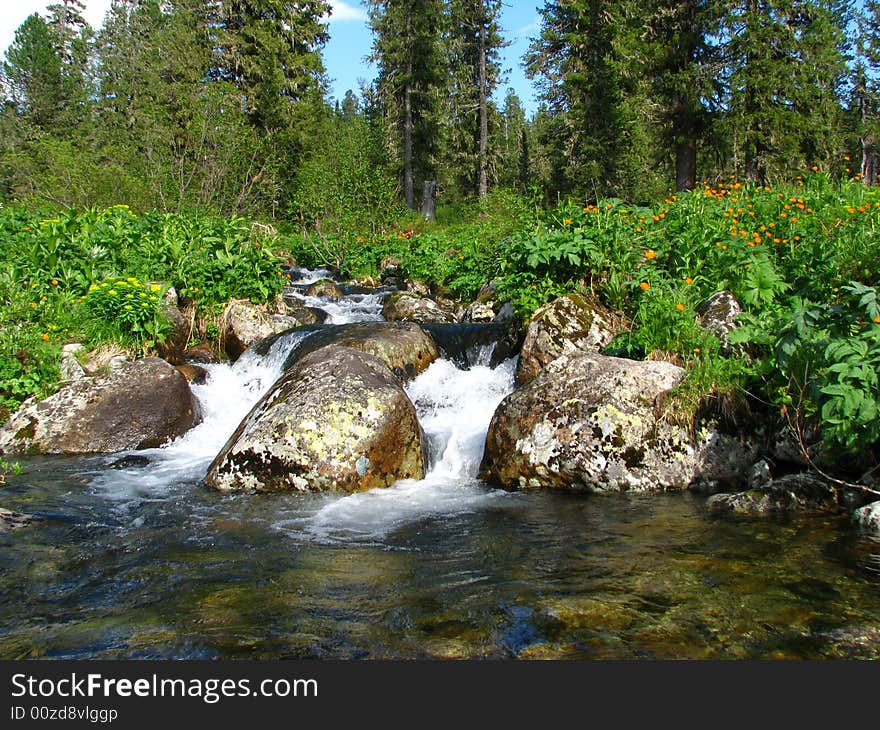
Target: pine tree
(576, 64)
(270, 49)
(511, 140)
(33, 74)
(866, 91)
(675, 49)
(786, 66)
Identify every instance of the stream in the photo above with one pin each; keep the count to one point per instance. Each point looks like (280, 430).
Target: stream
(137, 559)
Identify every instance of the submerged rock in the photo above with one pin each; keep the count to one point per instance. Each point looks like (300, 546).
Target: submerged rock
(566, 325)
(483, 343)
(141, 405)
(593, 422)
(10, 520)
(338, 420)
(305, 315)
(414, 308)
(789, 493)
(403, 346)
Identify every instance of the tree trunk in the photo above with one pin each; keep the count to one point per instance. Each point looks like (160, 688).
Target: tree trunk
(408, 185)
(870, 161)
(483, 186)
(686, 164)
(684, 132)
(429, 198)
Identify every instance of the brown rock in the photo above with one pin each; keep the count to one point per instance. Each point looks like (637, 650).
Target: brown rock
(141, 405)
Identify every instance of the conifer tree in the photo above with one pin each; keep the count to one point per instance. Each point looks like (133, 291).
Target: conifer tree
(406, 46)
(473, 45)
(33, 74)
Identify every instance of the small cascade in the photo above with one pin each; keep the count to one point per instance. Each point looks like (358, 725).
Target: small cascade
(454, 408)
(455, 399)
(226, 398)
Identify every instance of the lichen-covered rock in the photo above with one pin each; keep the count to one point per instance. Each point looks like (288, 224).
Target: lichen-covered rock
(172, 347)
(304, 315)
(868, 517)
(403, 346)
(592, 422)
(418, 287)
(478, 312)
(338, 420)
(566, 325)
(324, 288)
(70, 368)
(389, 266)
(141, 405)
(245, 323)
(789, 493)
(406, 307)
(718, 314)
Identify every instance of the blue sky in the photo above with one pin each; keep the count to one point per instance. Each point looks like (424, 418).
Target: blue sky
(350, 40)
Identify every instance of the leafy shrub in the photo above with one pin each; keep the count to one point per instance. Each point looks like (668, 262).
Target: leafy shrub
(126, 311)
(824, 367)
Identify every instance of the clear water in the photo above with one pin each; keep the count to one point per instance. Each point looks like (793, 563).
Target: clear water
(146, 562)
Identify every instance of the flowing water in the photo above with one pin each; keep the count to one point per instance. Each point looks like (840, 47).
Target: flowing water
(134, 559)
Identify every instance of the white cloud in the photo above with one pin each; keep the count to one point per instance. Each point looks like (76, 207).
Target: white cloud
(343, 11)
(527, 30)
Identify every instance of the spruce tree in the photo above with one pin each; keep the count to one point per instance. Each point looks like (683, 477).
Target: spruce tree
(33, 74)
(473, 42)
(406, 46)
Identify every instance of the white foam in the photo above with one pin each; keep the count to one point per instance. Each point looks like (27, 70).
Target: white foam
(455, 408)
(225, 399)
(351, 308)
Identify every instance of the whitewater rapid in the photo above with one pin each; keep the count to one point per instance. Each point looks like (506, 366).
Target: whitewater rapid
(454, 407)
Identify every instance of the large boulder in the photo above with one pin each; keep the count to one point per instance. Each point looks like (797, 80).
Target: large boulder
(339, 420)
(567, 325)
(593, 422)
(245, 323)
(407, 307)
(403, 346)
(141, 405)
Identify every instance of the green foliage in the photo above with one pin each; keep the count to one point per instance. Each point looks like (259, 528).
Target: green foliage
(345, 188)
(824, 367)
(59, 270)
